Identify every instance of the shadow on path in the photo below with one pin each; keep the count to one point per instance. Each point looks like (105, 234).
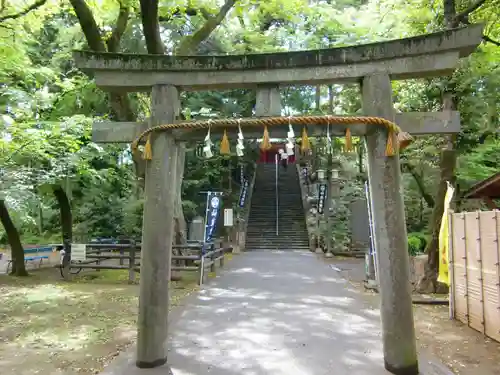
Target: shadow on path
(274, 313)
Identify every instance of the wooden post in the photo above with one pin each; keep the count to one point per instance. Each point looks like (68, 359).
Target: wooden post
(391, 243)
(157, 232)
(466, 272)
(201, 276)
(497, 268)
(179, 176)
(479, 260)
(451, 264)
(98, 262)
(212, 258)
(131, 264)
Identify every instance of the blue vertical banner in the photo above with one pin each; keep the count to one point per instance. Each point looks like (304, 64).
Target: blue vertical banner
(214, 203)
(243, 193)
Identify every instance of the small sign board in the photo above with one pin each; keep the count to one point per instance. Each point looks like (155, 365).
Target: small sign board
(78, 251)
(228, 217)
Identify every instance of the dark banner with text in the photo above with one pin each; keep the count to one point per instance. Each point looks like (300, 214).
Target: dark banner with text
(214, 203)
(322, 195)
(243, 192)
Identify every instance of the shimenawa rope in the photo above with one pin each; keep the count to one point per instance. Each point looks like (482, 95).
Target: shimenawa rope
(396, 139)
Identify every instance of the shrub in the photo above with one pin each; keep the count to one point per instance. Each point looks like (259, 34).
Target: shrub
(414, 245)
(424, 239)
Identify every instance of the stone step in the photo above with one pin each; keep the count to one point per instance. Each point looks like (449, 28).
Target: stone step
(282, 248)
(282, 238)
(271, 226)
(292, 229)
(270, 245)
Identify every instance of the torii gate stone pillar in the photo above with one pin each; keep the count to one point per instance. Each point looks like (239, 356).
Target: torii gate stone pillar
(398, 332)
(157, 232)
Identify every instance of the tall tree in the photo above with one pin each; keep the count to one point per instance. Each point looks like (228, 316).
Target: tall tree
(450, 100)
(16, 247)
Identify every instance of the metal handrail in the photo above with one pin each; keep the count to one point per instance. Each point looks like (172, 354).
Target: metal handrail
(372, 252)
(277, 201)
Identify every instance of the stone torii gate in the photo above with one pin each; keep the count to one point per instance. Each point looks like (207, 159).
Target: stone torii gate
(372, 65)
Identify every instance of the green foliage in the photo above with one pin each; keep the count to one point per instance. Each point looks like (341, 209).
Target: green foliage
(414, 245)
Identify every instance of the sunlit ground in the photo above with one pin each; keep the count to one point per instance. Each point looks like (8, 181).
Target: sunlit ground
(464, 350)
(49, 326)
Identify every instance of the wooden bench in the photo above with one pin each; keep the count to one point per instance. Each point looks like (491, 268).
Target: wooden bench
(34, 254)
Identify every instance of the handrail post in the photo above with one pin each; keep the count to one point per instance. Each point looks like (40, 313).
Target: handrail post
(202, 266)
(277, 202)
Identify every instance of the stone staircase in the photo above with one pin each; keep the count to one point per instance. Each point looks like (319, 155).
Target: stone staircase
(261, 229)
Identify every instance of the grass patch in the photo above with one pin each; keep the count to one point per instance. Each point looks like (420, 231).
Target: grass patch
(52, 326)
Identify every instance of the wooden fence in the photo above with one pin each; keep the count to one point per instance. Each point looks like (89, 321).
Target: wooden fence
(475, 270)
(191, 259)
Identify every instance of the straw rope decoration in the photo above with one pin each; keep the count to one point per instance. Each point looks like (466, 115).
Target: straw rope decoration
(266, 141)
(396, 139)
(348, 140)
(224, 144)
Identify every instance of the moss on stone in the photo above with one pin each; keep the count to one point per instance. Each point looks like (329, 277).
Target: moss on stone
(460, 39)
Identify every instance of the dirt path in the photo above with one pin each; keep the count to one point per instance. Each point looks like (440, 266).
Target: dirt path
(464, 350)
(49, 326)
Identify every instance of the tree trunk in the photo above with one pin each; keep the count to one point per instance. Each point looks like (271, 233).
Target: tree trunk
(428, 283)
(420, 184)
(151, 27)
(120, 103)
(40, 217)
(88, 25)
(16, 247)
(179, 219)
(190, 43)
(65, 214)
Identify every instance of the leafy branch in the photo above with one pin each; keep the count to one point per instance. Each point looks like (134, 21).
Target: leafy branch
(463, 17)
(13, 16)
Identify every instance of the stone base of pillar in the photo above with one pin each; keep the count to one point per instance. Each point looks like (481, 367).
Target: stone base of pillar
(319, 250)
(160, 362)
(410, 370)
(328, 255)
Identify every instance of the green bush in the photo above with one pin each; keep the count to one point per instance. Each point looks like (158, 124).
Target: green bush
(414, 245)
(424, 239)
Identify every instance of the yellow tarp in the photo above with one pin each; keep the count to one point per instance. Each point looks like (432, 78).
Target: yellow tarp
(443, 238)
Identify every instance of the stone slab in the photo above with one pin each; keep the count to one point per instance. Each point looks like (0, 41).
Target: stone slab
(423, 55)
(274, 313)
(398, 68)
(416, 123)
(359, 223)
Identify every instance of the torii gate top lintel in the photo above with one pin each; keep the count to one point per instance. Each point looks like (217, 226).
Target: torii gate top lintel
(421, 56)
